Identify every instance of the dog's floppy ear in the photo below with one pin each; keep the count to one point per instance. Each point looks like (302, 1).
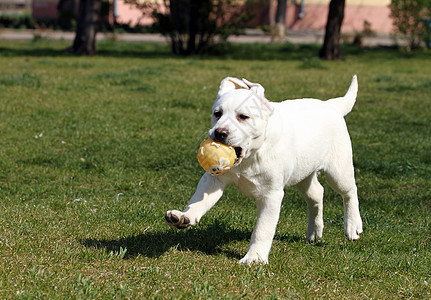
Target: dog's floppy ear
(255, 87)
(231, 83)
(259, 90)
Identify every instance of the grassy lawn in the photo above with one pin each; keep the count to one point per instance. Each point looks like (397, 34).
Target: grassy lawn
(94, 150)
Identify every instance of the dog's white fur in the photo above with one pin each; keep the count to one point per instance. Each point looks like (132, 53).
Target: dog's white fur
(283, 144)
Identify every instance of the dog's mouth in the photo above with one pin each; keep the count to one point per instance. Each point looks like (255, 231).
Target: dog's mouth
(239, 152)
(239, 155)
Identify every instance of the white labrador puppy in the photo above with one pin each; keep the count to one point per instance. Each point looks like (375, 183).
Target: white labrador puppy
(278, 145)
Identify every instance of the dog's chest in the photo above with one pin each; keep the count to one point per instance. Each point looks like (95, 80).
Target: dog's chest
(252, 184)
(247, 186)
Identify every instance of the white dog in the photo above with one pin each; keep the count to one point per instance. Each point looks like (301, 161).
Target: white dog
(278, 145)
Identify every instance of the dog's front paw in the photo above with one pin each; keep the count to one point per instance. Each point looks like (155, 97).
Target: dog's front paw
(353, 228)
(314, 232)
(177, 219)
(253, 258)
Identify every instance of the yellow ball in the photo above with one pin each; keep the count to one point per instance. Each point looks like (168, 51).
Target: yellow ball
(216, 158)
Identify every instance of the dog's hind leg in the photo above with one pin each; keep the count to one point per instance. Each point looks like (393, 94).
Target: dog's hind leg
(340, 176)
(313, 193)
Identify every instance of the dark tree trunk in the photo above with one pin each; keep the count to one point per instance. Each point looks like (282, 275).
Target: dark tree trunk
(331, 45)
(277, 16)
(191, 24)
(192, 27)
(87, 26)
(280, 15)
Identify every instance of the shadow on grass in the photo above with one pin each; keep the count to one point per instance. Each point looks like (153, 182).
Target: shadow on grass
(209, 240)
(115, 52)
(154, 244)
(307, 53)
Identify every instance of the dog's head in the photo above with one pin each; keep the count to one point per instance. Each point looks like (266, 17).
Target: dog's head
(240, 115)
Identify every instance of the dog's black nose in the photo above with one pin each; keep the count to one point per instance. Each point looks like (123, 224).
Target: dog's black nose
(221, 134)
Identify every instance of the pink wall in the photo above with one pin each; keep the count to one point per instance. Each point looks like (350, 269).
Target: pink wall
(354, 17)
(44, 9)
(130, 14)
(315, 16)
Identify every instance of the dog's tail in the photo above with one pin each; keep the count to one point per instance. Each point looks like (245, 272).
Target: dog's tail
(345, 104)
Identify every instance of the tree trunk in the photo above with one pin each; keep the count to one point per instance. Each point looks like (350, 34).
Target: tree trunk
(86, 30)
(280, 17)
(181, 34)
(272, 12)
(331, 45)
(192, 27)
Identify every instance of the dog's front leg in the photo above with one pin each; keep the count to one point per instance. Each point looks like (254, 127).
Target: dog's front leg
(208, 192)
(268, 212)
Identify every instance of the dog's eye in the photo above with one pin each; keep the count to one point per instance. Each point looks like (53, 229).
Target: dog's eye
(218, 114)
(243, 117)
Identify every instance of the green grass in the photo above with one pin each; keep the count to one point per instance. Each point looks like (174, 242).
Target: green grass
(94, 150)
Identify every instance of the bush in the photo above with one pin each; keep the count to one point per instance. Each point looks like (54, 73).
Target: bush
(16, 21)
(193, 25)
(408, 18)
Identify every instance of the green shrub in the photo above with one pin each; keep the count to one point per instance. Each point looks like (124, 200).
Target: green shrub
(408, 18)
(16, 21)
(193, 25)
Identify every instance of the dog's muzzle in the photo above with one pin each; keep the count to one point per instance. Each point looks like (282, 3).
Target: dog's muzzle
(220, 135)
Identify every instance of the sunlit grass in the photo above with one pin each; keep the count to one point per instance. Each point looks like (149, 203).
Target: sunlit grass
(94, 150)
